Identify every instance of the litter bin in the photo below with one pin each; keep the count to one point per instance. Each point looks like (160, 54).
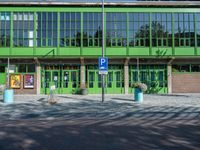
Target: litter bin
(138, 95)
(8, 96)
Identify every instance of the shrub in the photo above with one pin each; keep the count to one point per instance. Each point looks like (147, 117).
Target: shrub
(139, 85)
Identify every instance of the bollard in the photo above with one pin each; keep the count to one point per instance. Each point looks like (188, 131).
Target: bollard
(8, 96)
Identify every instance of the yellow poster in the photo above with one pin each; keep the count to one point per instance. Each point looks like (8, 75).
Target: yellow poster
(15, 81)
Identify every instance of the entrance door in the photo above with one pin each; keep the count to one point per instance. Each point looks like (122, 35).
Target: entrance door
(2, 74)
(94, 82)
(51, 78)
(115, 82)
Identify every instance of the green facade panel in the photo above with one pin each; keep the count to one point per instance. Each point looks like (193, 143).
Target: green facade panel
(185, 51)
(89, 51)
(69, 51)
(138, 51)
(40, 51)
(162, 51)
(116, 51)
(4, 51)
(22, 52)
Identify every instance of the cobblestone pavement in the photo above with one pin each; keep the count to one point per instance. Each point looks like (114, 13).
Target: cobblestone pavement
(84, 122)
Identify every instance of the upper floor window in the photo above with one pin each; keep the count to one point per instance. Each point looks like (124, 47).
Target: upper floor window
(23, 28)
(184, 29)
(70, 29)
(116, 29)
(161, 29)
(47, 29)
(4, 29)
(92, 29)
(139, 29)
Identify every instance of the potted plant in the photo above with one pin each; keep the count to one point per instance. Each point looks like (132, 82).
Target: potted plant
(139, 88)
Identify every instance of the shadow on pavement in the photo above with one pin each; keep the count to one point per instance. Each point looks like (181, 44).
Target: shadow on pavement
(107, 135)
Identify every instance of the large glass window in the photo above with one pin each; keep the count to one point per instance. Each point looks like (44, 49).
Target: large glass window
(70, 29)
(184, 29)
(198, 28)
(116, 25)
(4, 29)
(47, 29)
(139, 29)
(23, 27)
(92, 29)
(161, 28)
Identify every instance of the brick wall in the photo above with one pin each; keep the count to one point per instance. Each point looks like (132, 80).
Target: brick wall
(22, 90)
(186, 83)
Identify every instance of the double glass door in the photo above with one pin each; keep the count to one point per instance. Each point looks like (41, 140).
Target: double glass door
(64, 81)
(114, 82)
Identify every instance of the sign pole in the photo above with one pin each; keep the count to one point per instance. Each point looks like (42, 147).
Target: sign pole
(8, 73)
(103, 76)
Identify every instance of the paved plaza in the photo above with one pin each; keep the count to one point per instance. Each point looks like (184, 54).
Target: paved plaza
(75, 122)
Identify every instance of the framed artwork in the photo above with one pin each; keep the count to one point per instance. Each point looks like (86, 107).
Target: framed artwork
(28, 81)
(15, 81)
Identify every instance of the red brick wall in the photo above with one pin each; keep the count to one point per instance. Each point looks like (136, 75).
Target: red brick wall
(186, 83)
(22, 90)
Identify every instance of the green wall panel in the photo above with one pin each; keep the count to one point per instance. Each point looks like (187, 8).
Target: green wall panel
(162, 51)
(184, 51)
(22, 51)
(116, 51)
(2, 78)
(198, 51)
(91, 51)
(138, 51)
(69, 51)
(98, 9)
(46, 51)
(4, 51)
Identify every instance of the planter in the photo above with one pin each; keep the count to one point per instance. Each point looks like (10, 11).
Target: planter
(138, 95)
(83, 91)
(8, 96)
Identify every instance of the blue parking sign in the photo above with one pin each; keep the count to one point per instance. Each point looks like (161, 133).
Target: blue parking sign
(103, 65)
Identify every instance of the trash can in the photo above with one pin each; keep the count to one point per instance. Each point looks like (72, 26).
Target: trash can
(8, 96)
(138, 95)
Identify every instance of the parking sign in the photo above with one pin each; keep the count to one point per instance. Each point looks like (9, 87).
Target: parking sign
(103, 65)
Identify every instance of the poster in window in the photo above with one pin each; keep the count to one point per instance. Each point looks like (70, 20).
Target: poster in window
(15, 81)
(29, 81)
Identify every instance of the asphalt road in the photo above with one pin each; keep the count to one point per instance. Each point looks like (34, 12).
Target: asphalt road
(84, 123)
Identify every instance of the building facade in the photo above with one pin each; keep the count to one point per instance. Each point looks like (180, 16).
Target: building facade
(59, 42)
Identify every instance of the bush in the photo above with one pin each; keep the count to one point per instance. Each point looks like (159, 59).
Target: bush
(139, 85)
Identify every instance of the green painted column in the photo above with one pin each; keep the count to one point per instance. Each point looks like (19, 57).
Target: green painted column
(173, 42)
(127, 34)
(81, 49)
(11, 33)
(34, 34)
(58, 36)
(150, 35)
(195, 34)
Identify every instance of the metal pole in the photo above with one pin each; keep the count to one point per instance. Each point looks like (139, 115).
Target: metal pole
(137, 69)
(8, 77)
(103, 76)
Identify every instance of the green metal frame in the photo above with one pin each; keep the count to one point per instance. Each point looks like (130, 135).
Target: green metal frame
(58, 51)
(66, 81)
(3, 75)
(114, 81)
(155, 76)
